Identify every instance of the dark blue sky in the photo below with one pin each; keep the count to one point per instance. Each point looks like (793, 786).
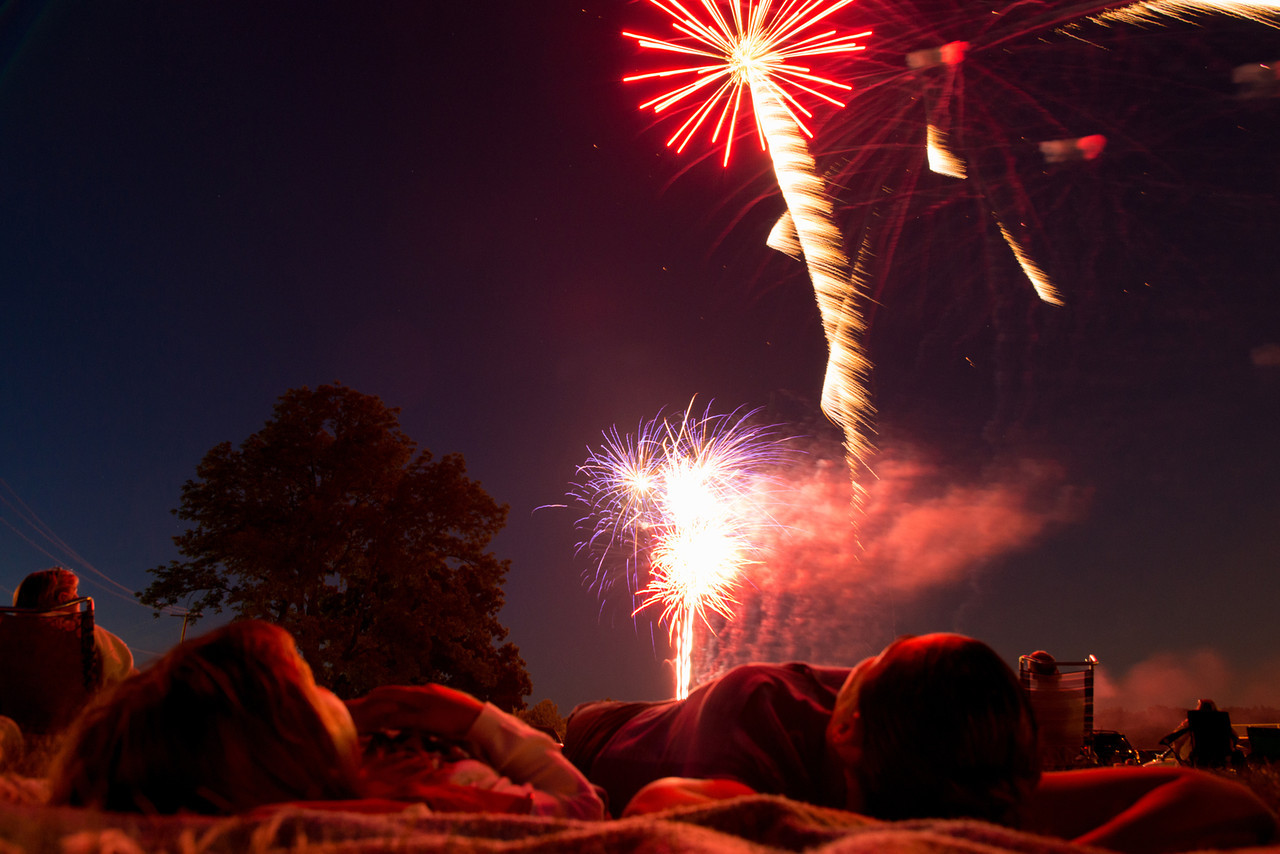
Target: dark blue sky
(459, 209)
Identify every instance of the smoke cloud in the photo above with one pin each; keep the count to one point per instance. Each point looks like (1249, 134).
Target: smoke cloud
(1165, 679)
(1150, 699)
(925, 530)
(1266, 356)
(826, 590)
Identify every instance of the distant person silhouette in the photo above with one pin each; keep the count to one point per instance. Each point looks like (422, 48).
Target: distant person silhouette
(1205, 739)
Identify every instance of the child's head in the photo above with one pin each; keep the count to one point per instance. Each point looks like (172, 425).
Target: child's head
(223, 723)
(936, 726)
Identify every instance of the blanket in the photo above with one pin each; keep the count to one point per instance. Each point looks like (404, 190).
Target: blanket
(761, 824)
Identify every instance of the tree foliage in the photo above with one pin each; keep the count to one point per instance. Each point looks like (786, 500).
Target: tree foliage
(328, 522)
(545, 715)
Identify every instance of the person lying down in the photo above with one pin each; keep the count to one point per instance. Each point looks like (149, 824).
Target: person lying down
(935, 726)
(234, 720)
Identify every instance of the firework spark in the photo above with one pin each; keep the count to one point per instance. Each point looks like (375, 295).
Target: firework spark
(1044, 287)
(935, 156)
(1152, 11)
(741, 50)
(679, 506)
(748, 55)
(960, 88)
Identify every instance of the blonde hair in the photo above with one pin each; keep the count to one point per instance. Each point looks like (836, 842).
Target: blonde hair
(221, 724)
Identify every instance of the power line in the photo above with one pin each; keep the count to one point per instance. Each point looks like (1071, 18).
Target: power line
(69, 555)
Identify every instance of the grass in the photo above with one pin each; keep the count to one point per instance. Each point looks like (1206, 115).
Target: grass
(1263, 778)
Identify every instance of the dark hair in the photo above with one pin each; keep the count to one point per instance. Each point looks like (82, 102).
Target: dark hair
(46, 589)
(947, 733)
(221, 724)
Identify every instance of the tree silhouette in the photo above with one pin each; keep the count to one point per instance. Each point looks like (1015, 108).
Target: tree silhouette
(545, 715)
(328, 522)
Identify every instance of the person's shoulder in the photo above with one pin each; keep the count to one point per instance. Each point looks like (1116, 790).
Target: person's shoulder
(107, 638)
(756, 672)
(117, 658)
(786, 674)
(793, 669)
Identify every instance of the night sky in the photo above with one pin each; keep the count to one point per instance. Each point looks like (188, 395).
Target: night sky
(458, 208)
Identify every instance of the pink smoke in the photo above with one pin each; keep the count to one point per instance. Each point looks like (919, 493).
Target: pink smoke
(924, 531)
(820, 592)
(1150, 699)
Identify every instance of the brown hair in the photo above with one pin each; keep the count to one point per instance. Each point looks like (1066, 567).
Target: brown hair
(948, 733)
(221, 724)
(46, 589)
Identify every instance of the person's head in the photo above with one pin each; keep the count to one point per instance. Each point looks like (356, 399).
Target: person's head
(1042, 663)
(223, 723)
(935, 726)
(1206, 706)
(47, 589)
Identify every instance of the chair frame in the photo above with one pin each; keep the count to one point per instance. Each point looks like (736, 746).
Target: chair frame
(1025, 675)
(80, 610)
